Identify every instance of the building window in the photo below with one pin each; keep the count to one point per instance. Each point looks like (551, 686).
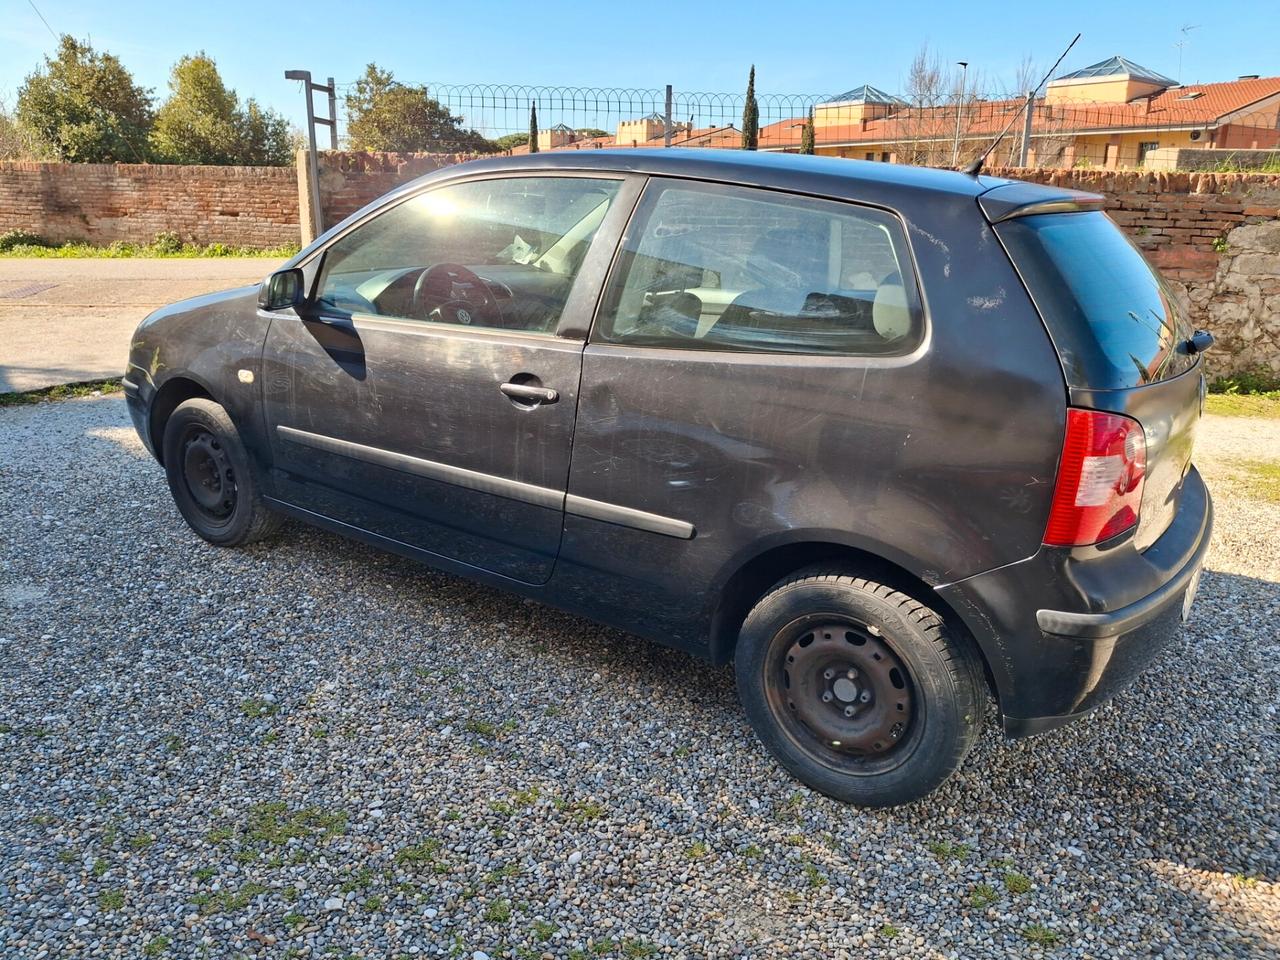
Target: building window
(884, 157)
(871, 154)
(1145, 146)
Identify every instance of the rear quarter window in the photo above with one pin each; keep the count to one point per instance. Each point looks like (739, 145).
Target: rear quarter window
(1113, 320)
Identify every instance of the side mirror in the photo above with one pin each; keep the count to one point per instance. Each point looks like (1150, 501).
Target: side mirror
(281, 290)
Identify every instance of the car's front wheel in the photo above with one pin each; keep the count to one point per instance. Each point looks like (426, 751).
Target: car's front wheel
(211, 477)
(858, 689)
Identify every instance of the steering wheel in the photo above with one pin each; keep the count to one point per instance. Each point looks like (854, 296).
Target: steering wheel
(450, 293)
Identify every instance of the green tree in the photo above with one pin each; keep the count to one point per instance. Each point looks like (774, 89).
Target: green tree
(533, 128)
(86, 106)
(751, 114)
(806, 135)
(383, 114)
(204, 122)
(511, 140)
(591, 132)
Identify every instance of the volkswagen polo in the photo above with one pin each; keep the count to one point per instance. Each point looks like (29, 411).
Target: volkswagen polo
(890, 439)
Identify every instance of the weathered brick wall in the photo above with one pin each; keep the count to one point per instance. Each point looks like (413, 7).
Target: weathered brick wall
(102, 202)
(349, 179)
(1216, 235)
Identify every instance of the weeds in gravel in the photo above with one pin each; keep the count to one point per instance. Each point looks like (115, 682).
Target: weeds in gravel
(813, 876)
(789, 809)
(173, 743)
(272, 824)
(67, 857)
(1039, 934)
(44, 819)
(498, 912)
(205, 874)
(946, 850)
(156, 946)
(542, 930)
(141, 841)
(481, 728)
(256, 709)
(100, 868)
(357, 881)
(293, 921)
(109, 900)
(752, 852)
(373, 904)
(225, 901)
(697, 850)
(888, 931)
(1017, 883)
(635, 949)
(583, 811)
(503, 873)
(983, 896)
(66, 391)
(1261, 479)
(419, 856)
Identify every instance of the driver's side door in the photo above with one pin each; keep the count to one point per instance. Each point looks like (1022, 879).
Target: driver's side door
(427, 389)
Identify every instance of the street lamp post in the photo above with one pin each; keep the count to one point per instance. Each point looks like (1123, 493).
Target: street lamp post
(955, 144)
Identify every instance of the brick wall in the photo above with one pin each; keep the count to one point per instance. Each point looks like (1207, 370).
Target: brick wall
(349, 180)
(252, 206)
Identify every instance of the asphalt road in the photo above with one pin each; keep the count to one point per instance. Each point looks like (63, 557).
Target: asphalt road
(64, 321)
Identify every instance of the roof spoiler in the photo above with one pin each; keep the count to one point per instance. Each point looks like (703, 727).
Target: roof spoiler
(1017, 199)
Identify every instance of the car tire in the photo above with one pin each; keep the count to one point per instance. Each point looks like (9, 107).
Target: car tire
(859, 690)
(211, 477)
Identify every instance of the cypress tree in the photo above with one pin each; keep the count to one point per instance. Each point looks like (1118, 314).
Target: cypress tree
(751, 114)
(533, 127)
(806, 135)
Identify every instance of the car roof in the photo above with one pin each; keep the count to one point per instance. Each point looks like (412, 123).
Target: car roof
(834, 176)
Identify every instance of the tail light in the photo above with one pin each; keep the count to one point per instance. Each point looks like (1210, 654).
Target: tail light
(1099, 488)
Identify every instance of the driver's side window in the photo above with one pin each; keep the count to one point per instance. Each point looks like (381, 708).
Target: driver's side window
(499, 253)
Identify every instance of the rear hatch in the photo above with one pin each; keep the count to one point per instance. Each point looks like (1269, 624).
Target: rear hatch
(1122, 339)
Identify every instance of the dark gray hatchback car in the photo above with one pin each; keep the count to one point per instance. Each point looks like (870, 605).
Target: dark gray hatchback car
(889, 438)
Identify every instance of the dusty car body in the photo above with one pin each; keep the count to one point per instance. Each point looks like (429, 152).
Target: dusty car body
(688, 379)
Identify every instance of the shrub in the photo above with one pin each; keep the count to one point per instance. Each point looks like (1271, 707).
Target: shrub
(20, 238)
(166, 242)
(1259, 380)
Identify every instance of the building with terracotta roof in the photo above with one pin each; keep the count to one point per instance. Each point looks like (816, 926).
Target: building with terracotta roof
(1111, 114)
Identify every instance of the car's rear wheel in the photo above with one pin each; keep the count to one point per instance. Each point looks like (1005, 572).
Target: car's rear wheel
(211, 477)
(859, 690)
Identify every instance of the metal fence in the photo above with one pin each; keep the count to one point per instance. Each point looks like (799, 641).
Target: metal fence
(933, 131)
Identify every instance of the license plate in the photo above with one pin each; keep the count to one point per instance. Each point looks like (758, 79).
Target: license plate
(1189, 597)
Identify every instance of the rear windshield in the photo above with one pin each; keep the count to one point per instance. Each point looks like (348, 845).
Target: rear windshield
(1114, 321)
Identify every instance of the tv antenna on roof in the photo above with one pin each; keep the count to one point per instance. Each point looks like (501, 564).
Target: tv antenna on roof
(974, 168)
(1185, 30)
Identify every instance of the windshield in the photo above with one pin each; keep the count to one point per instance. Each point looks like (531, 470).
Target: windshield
(1113, 320)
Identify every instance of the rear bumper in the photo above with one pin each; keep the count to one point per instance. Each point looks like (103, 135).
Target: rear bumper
(1064, 630)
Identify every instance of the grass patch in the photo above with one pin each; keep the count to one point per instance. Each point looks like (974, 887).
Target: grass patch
(294, 920)
(888, 931)
(1040, 935)
(542, 930)
(65, 391)
(1261, 479)
(225, 901)
(420, 855)
(946, 850)
(634, 949)
(983, 896)
(109, 900)
(1016, 882)
(165, 246)
(156, 946)
(498, 912)
(697, 850)
(1244, 404)
(255, 709)
(273, 824)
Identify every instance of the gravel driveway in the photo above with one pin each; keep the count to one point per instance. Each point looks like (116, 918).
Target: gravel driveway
(310, 748)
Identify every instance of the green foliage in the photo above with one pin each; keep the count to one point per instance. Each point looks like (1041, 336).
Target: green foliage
(1016, 882)
(751, 114)
(64, 391)
(1040, 934)
(86, 107)
(123, 250)
(983, 896)
(807, 135)
(511, 140)
(109, 900)
(533, 128)
(591, 132)
(1259, 380)
(20, 238)
(204, 122)
(383, 114)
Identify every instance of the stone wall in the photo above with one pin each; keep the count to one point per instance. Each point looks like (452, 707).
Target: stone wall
(1182, 158)
(1215, 235)
(102, 202)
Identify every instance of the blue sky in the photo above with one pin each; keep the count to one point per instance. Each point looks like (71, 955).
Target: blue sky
(800, 46)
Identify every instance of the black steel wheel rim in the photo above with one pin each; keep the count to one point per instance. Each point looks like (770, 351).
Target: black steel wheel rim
(842, 693)
(208, 475)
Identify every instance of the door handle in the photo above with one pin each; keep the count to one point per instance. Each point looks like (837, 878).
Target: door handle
(520, 391)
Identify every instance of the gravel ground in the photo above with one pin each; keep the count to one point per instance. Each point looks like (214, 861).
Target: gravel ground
(310, 748)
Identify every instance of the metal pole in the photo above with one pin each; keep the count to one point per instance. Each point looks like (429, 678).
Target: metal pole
(1026, 127)
(666, 120)
(333, 115)
(313, 163)
(955, 144)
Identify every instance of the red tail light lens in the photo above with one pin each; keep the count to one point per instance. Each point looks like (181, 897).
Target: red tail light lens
(1099, 489)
